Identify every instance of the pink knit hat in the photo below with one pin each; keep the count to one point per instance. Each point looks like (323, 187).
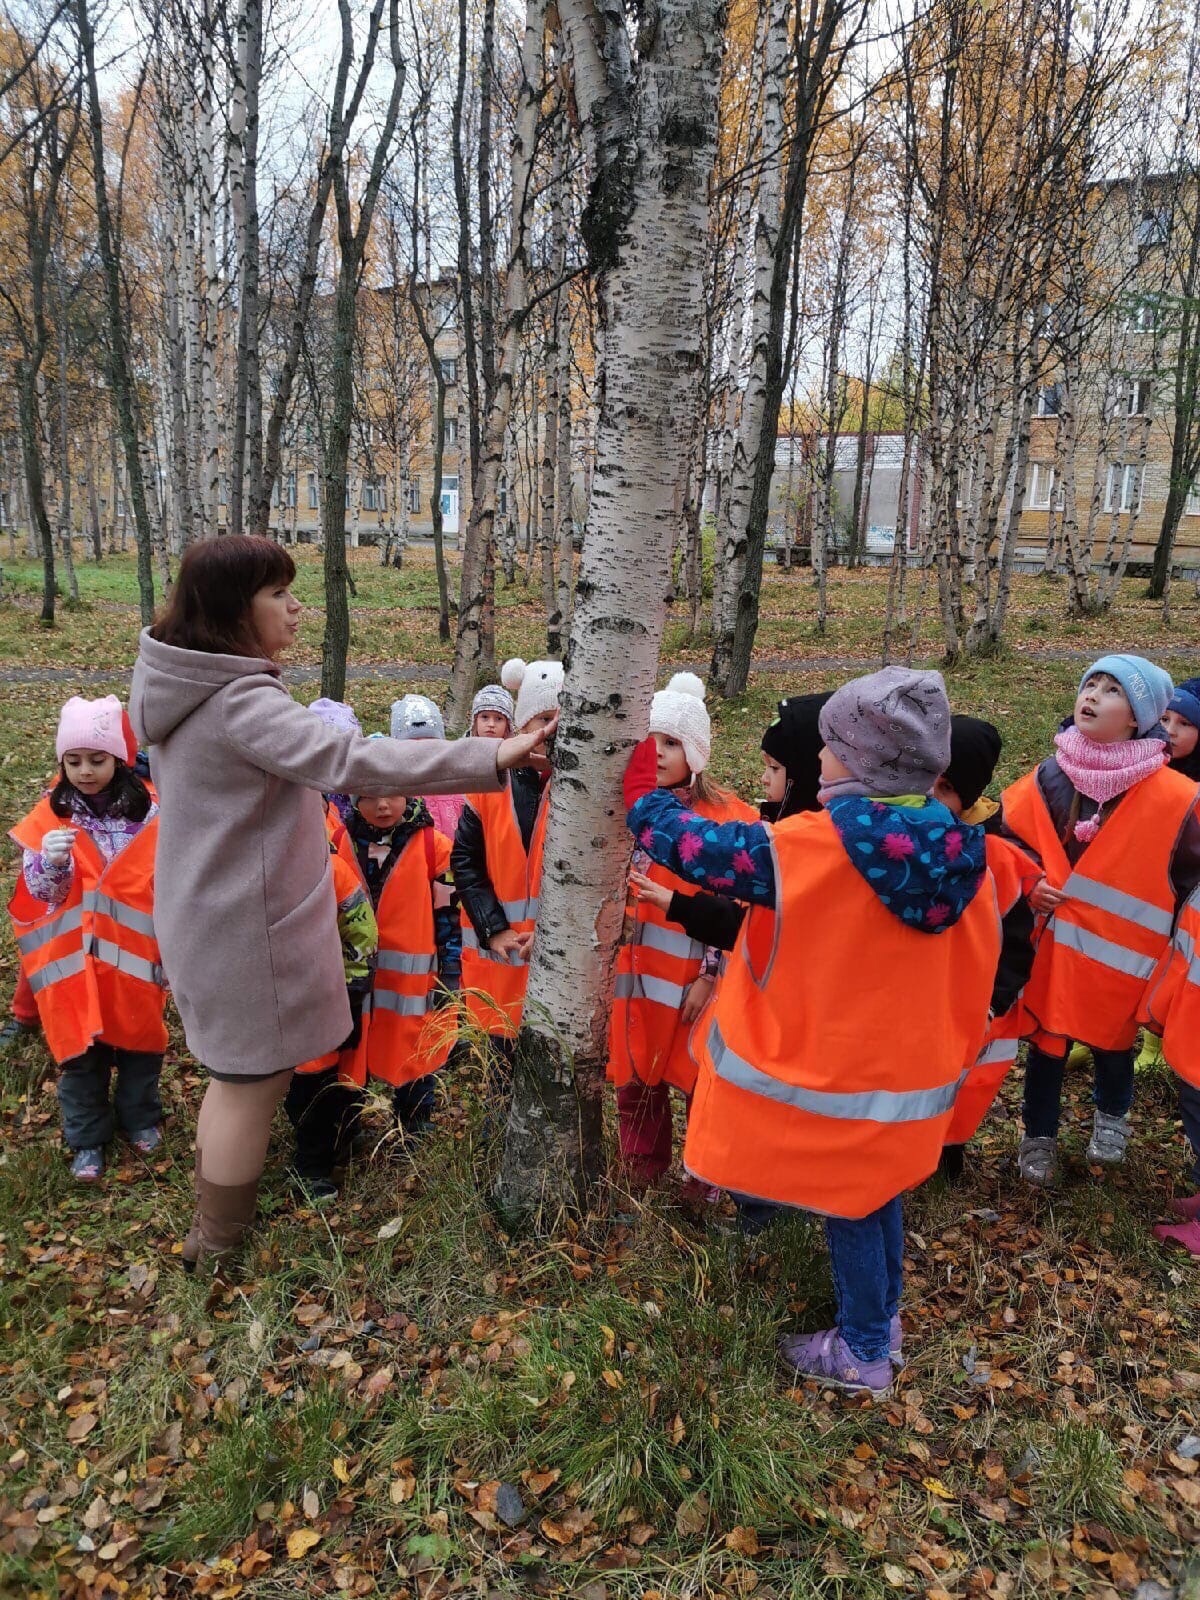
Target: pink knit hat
(91, 725)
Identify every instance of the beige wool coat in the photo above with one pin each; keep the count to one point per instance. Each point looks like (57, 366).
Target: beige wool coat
(244, 905)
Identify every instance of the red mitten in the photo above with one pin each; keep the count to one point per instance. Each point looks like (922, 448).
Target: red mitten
(641, 775)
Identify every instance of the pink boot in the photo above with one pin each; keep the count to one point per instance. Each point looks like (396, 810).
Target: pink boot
(1185, 1233)
(1188, 1208)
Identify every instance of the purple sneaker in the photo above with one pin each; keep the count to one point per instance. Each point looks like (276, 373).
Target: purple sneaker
(827, 1357)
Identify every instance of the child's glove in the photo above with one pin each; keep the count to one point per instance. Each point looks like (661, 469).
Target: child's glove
(641, 775)
(57, 846)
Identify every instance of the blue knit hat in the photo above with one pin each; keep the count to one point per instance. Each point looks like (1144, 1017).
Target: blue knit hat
(1147, 687)
(1186, 701)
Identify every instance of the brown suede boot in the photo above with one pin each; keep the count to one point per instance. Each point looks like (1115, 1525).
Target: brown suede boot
(225, 1212)
(190, 1249)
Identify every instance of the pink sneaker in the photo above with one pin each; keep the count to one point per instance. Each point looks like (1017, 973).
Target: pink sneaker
(1188, 1208)
(827, 1357)
(1185, 1233)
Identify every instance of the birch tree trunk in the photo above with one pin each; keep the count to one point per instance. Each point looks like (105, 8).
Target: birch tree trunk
(206, 195)
(650, 133)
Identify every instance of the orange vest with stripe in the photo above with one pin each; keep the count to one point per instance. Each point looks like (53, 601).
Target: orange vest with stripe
(346, 878)
(494, 987)
(1172, 1004)
(1014, 874)
(832, 1054)
(648, 1038)
(1098, 951)
(93, 961)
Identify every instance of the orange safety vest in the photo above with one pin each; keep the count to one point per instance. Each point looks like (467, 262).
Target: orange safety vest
(494, 988)
(1172, 1004)
(346, 878)
(648, 1039)
(1014, 874)
(1098, 951)
(831, 1056)
(93, 962)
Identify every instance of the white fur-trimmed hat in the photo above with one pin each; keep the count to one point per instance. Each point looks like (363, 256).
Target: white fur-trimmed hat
(679, 710)
(535, 684)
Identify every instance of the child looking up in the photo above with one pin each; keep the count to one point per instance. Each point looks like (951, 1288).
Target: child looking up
(82, 913)
(1116, 835)
(818, 1086)
(664, 977)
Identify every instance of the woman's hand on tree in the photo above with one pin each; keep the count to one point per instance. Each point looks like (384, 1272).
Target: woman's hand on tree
(645, 888)
(526, 749)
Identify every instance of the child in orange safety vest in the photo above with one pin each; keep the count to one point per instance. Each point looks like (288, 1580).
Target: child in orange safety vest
(496, 864)
(82, 913)
(855, 1000)
(664, 977)
(975, 747)
(1117, 836)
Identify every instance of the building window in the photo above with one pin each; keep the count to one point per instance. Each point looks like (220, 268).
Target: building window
(1123, 490)
(289, 490)
(449, 368)
(374, 494)
(414, 494)
(1137, 398)
(1154, 227)
(1192, 505)
(314, 496)
(1145, 314)
(450, 431)
(1049, 401)
(1041, 486)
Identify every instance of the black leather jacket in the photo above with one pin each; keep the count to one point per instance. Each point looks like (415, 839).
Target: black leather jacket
(468, 858)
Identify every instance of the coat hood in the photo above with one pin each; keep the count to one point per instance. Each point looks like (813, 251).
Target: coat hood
(925, 865)
(170, 683)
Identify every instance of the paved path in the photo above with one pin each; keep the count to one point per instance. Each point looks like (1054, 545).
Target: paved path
(405, 671)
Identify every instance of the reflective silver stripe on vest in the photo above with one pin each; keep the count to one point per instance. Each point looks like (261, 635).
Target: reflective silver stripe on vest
(123, 915)
(639, 986)
(1142, 913)
(1185, 944)
(998, 1050)
(27, 943)
(405, 1005)
(655, 937)
(112, 955)
(520, 910)
(1193, 971)
(55, 971)
(1103, 951)
(865, 1105)
(397, 961)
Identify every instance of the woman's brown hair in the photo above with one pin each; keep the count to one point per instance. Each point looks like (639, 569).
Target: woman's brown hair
(209, 608)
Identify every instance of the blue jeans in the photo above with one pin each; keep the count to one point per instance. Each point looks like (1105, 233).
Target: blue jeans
(1189, 1113)
(1112, 1088)
(867, 1257)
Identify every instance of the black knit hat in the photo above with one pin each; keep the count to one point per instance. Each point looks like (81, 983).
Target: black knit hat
(794, 740)
(974, 751)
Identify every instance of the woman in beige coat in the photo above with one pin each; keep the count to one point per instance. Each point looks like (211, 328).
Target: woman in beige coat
(244, 906)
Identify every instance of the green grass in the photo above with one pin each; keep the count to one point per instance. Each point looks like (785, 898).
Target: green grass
(621, 1376)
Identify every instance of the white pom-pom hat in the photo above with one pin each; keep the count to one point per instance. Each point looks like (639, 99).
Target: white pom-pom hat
(535, 685)
(679, 710)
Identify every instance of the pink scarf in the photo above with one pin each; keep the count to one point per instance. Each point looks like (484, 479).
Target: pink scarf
(1103, 771)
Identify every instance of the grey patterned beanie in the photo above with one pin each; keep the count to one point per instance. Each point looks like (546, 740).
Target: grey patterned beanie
(494, 697)
(891, 729)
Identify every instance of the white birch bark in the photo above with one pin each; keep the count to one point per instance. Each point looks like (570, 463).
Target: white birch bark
(206, 192)
(652, 142)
